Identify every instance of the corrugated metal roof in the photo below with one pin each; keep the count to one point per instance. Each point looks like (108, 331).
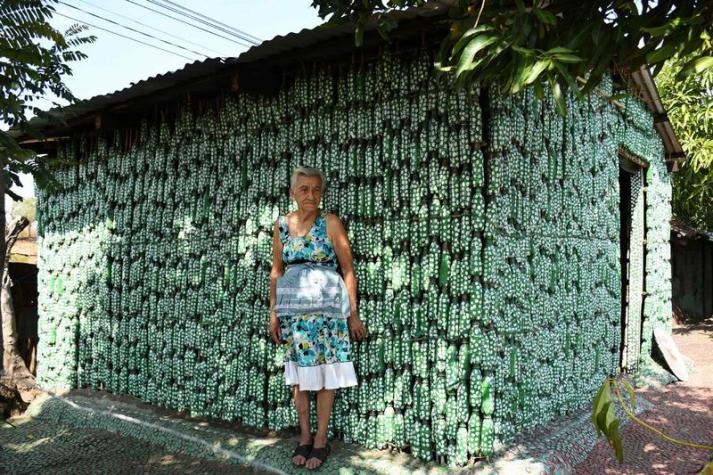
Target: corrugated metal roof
(278, 46)
(150, 85)
(141, 88)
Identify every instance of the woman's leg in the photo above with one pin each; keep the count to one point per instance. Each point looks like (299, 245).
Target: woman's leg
(325, 401)
(302, 405)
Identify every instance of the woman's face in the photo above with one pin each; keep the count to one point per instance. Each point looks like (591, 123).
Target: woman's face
(307, 192)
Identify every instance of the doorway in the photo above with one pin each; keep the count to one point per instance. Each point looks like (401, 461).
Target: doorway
(632, 206)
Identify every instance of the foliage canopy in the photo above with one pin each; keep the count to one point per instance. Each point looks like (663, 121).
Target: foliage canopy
(689, 102)
(34, 59)
(556, 43)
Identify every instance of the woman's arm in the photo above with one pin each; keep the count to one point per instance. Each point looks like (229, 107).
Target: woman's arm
(338, 235)
(275, 273)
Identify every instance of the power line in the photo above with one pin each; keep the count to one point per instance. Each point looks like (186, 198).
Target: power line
(259, 40)
(187, 23)
(123, 36)
(133, 29)
(153, 28)
(213, 25)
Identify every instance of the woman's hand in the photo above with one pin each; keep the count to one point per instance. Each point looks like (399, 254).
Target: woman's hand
(274, 328)
(357, 330)
(275, 273)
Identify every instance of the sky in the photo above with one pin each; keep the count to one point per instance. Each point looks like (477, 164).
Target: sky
(114, 62)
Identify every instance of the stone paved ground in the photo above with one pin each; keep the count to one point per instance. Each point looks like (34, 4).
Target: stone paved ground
(682, 410)
(94, 432)
(43, 446)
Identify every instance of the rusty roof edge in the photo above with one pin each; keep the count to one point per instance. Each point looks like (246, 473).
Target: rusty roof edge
(683, 229)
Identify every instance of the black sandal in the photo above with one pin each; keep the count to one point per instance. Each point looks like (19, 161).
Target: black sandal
(304, 451)
(321, 454)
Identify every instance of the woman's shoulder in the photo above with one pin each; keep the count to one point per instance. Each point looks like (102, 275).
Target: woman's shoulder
(334, 224)
(330, 217)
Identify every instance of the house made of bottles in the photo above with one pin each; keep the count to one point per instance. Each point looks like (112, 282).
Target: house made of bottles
(508, 259)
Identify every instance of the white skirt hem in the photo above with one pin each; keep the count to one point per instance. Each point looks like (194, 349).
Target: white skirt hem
(324, 376)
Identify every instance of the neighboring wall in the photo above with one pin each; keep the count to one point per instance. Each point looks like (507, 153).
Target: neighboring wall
(692, 260)
(490, 293)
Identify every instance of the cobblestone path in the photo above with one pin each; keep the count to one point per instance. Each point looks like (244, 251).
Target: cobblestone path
(683, 410)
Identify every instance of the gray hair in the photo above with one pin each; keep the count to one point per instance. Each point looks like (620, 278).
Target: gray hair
(308, 171)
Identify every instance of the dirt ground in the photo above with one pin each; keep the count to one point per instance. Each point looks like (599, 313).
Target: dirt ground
(696, 342)
(683, 410)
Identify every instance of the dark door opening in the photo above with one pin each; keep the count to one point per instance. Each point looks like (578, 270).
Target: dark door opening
(624, 240)
(632, 218)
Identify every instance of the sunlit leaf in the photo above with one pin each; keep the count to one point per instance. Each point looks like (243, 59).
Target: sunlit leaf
(537, 69)
(615, 439)
(475, 45)
(467, 35)
(558, 96)
(697, 66)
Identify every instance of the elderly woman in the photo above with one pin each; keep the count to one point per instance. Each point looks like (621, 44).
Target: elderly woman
(313, 310)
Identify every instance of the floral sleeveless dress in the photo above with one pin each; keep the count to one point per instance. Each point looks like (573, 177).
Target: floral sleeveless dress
(317, 346)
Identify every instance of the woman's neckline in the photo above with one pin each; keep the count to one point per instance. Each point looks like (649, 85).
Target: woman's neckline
(287, 224)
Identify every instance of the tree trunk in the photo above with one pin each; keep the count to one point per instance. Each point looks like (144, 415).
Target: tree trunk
(5, 321)
(13, 363)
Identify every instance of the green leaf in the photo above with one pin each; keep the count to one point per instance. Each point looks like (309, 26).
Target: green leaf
(558, 96)
(569, 79)
(475, 45)
(520, 75)
(524, 51)
(537, 69)
(568, 58)
(697, 66)
(600, 401)
(564, 55)
(596, 407)
(610, 417)
(596, 74)
(663, 30)
(559, 50)
(539, 92)
(359, 34)
(615, 440)
(605, 417)
(630, 390)
(466, 36)
(544, 16)
(665, 52)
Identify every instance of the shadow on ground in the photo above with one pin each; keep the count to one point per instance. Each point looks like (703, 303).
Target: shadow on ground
(41, 446)
(92, 432)
(704, 328)
(682, 410)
